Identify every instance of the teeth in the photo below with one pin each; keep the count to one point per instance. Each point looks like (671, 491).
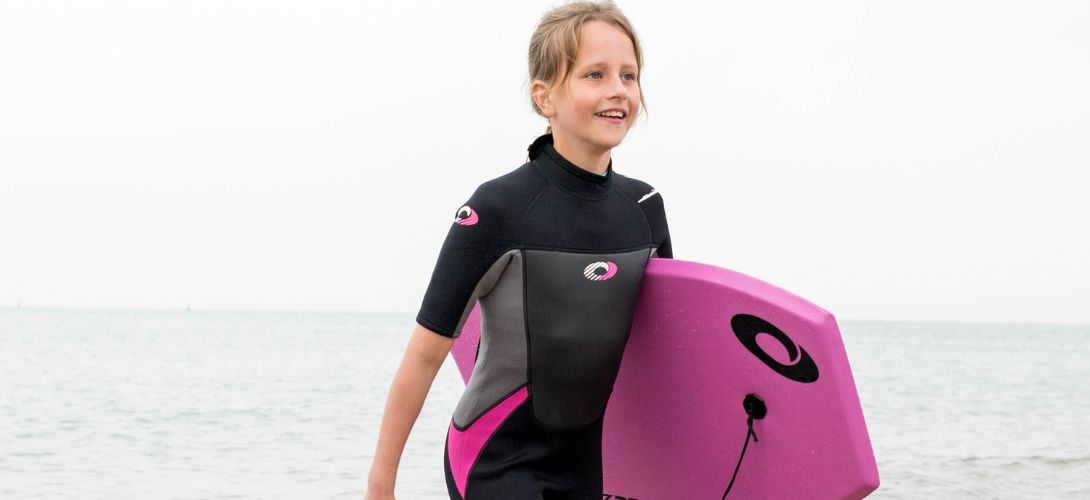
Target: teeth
(612, 114)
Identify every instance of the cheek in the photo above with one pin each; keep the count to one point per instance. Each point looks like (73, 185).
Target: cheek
(589, 106)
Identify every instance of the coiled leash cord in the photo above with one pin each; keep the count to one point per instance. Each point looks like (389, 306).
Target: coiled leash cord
(755, 409)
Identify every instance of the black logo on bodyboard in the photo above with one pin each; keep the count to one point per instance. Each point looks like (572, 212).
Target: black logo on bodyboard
(802, 367)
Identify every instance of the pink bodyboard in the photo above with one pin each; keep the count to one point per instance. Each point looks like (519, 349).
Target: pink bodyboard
(702, 339)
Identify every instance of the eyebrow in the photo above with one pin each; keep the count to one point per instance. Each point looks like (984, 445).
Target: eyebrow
(602, 64)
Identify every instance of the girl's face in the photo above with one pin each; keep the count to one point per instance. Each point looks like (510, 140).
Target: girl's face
(603, 78)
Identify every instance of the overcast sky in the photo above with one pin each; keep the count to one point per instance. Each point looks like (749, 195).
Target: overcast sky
(914, 160)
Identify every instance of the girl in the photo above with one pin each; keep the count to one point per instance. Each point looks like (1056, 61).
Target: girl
(554, 251)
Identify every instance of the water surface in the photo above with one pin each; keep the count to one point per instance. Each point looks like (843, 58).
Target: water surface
(236, 405)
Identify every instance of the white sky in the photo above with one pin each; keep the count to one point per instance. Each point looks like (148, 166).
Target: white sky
(915, 160)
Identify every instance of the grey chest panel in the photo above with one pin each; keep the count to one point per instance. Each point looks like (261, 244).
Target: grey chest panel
(579, 309)
(500, 368)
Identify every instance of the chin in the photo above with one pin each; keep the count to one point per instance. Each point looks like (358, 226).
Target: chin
(607, 144)
(612, 135)
(615, 141)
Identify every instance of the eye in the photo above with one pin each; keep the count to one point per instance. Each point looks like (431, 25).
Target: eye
(595, 74)
(630, 76)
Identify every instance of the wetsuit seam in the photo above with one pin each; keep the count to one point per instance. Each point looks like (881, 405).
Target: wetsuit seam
(526, 212)
(449, 332)
(526, 332)
(566, 190)
(549, 427)
(525, 300)
(504, 250)
(486, 410)
(646, 221)
(477, 460)
(586, 250)
(521, 235)
(435, 327)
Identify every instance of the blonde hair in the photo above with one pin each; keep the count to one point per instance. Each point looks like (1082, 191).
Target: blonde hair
(555, 42)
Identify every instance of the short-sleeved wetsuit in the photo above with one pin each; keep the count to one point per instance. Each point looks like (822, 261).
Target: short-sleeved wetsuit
(555, 255)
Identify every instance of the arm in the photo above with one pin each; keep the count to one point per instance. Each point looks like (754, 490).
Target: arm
(650, 201)
(423, 357)
(660, 228)
(666, 249)
(457, 281)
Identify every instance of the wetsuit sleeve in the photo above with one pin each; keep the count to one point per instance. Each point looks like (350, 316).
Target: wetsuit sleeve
(660, 229)
(666, 249)
(460, 276)
(650, 201)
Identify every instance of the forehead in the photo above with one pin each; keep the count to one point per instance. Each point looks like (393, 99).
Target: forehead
(604, 43)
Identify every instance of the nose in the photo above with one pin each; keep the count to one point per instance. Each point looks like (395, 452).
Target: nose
(616, 89)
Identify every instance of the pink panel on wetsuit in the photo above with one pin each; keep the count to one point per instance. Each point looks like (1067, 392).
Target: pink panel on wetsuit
(463, 447)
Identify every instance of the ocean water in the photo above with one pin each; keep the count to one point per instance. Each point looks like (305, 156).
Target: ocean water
(236, 405)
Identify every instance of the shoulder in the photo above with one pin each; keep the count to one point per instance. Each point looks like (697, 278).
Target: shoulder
(510, 189)
(650, 202)
(503, 200)
(638, 191)
(510, 185)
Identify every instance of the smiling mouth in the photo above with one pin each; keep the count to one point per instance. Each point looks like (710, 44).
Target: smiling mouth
(620, 115)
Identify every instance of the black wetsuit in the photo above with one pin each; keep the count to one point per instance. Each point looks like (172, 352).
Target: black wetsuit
(555, 255)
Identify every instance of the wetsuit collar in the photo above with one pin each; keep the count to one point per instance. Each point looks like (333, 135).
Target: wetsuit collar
(567, 174)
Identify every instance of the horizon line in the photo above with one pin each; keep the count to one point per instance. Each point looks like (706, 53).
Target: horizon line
(189, 308)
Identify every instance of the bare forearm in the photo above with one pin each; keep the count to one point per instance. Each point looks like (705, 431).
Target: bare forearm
(408, 391)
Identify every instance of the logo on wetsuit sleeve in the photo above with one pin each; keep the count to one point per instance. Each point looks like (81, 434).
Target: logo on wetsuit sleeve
(465, 216)
(600, 271)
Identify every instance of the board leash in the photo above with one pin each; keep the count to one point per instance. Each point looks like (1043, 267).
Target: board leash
(755, 409)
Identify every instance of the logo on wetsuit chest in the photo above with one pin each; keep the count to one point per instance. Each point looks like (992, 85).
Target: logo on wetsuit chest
(600, 271)
(465, 216)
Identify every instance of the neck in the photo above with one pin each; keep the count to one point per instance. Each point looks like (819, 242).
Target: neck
(589, 159)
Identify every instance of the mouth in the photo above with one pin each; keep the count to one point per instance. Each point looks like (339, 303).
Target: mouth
(612, 116)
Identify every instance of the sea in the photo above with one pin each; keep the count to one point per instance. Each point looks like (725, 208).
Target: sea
(154, 404)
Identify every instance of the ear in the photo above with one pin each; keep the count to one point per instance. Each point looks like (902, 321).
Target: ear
(542, 96)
